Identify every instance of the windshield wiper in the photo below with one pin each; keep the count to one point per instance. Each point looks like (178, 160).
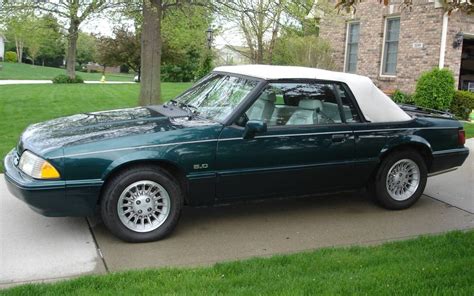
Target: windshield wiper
(172, 102)
(191, 109)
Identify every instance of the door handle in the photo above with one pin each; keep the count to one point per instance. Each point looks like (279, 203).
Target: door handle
(339, 137)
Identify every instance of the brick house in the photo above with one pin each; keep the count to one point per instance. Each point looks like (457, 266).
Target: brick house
(393, 45)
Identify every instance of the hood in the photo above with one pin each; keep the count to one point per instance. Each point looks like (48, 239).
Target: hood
(96, 126)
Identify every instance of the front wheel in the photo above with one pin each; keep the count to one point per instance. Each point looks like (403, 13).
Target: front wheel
(400, 180)
(141, 204)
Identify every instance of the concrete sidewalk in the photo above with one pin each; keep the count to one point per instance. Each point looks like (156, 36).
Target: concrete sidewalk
(13, 82)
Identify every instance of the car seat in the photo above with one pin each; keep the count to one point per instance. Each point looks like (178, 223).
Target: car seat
(307, 113)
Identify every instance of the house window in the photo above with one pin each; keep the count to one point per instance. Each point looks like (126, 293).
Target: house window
(390, 51)
(352, 46)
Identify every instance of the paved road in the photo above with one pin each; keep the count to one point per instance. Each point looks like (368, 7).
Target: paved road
(34, 248)
(10, 82)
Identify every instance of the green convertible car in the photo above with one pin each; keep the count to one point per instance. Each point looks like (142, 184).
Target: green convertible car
(241, 133)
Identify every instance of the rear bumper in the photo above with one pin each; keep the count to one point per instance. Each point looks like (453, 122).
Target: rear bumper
(448, 159)
(50, 198)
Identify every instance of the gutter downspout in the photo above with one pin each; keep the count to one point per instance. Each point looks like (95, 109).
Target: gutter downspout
(444, 33)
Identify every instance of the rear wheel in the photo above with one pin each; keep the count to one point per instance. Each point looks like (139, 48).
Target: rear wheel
(141, 204)
(400, 180)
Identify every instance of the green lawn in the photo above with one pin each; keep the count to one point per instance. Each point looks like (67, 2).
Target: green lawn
(21, 105)
(434, 265)
(469, 128)
(29, 72)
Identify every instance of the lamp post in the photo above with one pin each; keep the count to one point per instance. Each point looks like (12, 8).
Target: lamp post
(209, 33)
(458, 39)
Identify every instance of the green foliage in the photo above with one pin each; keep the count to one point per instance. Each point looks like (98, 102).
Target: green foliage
(34, 37)
(462, 104)
(400, 97)
(86, 48)
(435, 89)
(206, 66)
(184, 49)
(61, 79)
(51, 52)
(123, 49)
(10, 57)
(309, 51)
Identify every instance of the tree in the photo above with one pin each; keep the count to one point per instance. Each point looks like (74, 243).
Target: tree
(308, 51)
(52, 45)
(18, 28)
(185, 52)
(86, 48)
(122, 49)
(256, 19)
(73, 12)
(153, 12)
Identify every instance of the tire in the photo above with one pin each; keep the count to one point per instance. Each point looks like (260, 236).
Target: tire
(400, 180)
(150, 200)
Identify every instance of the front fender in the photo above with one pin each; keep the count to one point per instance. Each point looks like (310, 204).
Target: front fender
(138, 156)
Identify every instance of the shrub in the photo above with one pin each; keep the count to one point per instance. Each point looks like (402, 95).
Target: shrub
(10, 57)
(124, 69)
(65, 79)
(400, 97)
(462, 104)
(435, 89)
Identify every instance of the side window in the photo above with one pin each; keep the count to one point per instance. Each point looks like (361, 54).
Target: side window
(348, 107)
(305, 103)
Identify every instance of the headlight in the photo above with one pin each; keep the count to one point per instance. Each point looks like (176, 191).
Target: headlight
(37, 167)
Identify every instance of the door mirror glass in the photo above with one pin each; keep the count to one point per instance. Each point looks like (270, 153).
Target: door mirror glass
(254, 127)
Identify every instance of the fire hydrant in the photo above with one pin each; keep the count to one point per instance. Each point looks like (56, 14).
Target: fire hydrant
(102, 79)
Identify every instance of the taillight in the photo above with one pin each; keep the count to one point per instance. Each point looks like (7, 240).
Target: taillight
(461, 137)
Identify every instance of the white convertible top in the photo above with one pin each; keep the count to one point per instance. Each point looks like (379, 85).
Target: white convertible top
(374, 104)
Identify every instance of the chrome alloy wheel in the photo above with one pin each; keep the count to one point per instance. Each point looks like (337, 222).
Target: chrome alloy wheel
(403, 179)
(143, 206)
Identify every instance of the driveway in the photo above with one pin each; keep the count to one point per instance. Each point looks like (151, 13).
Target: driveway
(35, 248)
(456, 188)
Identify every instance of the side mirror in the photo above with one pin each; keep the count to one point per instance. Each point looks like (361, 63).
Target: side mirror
(254, 127)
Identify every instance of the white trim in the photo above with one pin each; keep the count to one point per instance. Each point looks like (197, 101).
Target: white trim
(345, 46)
(444, 34)
(348, 25)
(383, 46)
(135, 147)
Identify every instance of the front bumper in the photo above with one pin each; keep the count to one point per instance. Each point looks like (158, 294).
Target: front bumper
(448, 159)
(49, 198)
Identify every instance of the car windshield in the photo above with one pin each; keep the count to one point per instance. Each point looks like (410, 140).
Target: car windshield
(216, 96)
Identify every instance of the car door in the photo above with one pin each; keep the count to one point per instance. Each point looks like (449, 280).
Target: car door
(307, 147)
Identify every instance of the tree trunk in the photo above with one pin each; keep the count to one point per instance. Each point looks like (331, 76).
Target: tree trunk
(71, 50)
(259, 58)
(150, 88)
(19, 50)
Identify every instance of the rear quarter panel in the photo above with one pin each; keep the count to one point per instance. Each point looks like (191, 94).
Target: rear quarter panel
(374, 140)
